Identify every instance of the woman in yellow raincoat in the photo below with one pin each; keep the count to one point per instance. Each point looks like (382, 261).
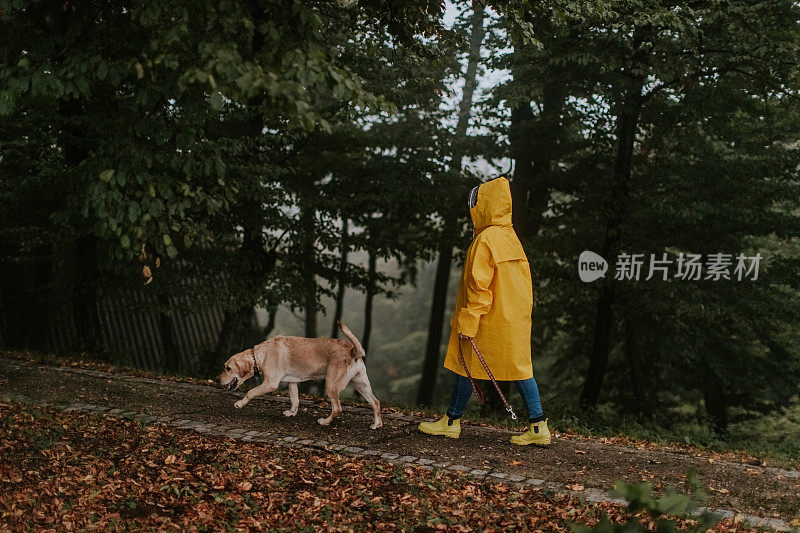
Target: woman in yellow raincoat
(493, 308)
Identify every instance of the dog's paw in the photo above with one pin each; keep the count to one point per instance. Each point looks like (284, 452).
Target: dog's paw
(289, 412)
(324, 421)
(376, 425)
(241, 403)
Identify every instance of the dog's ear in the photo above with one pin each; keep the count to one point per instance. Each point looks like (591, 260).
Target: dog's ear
(245, 365)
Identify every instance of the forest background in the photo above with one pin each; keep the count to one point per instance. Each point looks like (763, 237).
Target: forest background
(287, 164)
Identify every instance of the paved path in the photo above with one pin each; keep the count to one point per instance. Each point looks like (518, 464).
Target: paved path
(762, 496)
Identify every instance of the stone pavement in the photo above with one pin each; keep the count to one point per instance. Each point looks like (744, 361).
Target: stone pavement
(281, 438)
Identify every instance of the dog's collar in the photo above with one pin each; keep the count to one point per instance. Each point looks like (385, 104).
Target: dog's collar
(255, 363)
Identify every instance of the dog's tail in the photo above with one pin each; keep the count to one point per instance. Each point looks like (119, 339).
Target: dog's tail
(349, 334)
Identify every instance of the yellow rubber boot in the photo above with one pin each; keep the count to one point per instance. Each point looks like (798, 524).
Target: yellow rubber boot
(441, 427)
(537, 434)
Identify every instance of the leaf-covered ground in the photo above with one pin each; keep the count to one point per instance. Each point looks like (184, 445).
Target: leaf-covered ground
(574, 463)
(750, 457)
(74, 471)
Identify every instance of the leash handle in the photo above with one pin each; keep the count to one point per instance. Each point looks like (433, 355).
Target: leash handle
(479, 396)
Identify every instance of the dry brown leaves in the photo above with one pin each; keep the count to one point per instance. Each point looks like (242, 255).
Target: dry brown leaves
(711, 456)
(76, 471)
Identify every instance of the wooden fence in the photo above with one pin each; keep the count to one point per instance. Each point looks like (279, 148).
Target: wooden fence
(130, 327)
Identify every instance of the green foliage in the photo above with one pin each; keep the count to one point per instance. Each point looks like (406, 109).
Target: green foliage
(142, 94)
(233, 139)
(193, 130)
(713, 169)
(662, 511)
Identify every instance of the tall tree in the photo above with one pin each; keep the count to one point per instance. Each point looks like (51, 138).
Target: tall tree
(455, 188)
(677, 112)
(148, 87)
(341, 281)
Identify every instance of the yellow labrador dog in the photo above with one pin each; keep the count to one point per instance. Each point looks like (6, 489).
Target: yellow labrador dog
(296, 359)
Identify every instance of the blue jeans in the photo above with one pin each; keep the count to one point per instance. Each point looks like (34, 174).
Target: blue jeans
(462, 390)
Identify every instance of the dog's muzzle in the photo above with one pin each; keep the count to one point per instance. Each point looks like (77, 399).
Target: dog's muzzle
(231, 384)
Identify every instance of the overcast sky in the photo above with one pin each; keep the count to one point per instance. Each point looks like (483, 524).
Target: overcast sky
(488, 79)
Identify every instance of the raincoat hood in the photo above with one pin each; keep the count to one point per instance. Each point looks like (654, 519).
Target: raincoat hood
(493, 207)
(494, 302)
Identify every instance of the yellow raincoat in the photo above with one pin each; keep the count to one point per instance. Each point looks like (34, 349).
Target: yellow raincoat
(495, 295)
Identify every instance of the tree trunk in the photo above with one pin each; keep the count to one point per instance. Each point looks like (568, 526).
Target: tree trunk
(75, 151)
(231, 334)
(309, 272)
(342, 285)
(270, 323)
(371, 273)
(716, 401)
(14, 300)
(85, 290)
(633, 356)
(237, 320)
(533, 144)
(307, 219)
(172, 360)
(231, 337)
(627, 122)
(436, 323)
(225, 337)
(598, 361)
(311, 310)
(430, 365)
(26, 304)
(519, 137)
(84, 298)
(43, 298)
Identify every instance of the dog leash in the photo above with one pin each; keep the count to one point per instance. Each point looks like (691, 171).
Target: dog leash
(478, 393)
